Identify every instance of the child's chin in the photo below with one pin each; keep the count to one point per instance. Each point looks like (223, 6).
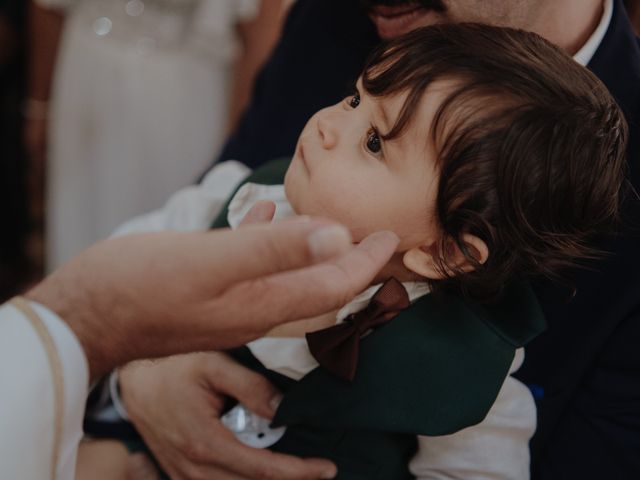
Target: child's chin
(290, 192)
(288, 181)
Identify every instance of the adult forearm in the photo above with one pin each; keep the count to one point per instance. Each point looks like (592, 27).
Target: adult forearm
(45, 27)
(159, 294)
(258, 36)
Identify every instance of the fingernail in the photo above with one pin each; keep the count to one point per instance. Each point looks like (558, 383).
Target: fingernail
(275, 401)
(329, 241)
(329, 474)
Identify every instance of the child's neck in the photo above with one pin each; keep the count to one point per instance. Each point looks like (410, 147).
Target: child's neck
(395, 268)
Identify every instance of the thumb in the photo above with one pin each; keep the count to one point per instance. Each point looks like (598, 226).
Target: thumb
(248, 387)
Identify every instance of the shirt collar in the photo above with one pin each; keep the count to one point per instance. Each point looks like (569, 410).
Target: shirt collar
(250, 193)
(415, 290)
(585, 54)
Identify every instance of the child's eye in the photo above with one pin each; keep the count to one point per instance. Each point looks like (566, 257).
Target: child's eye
(373, 142)
(355, 100)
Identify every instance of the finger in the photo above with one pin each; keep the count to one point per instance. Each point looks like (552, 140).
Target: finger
(258, 250)
(326, 243)
(263, 211)
(222, 456)
(140, 467)
(248, 387)
(306, 292)
(264, 464)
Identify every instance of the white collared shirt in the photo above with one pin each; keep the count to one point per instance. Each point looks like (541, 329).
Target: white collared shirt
(588, 50)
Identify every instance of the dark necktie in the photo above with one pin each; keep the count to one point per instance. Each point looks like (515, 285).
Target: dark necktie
(336, 348)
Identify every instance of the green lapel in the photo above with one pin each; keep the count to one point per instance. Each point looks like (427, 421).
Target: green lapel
(433, 370)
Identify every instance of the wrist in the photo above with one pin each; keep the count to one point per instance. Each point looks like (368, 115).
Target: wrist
(78, 312)
(135, 380)
(127, 381)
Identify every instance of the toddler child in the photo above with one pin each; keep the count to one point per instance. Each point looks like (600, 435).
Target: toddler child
(496, 159)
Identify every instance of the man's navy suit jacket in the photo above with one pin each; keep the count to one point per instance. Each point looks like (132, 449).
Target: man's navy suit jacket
(585, 370)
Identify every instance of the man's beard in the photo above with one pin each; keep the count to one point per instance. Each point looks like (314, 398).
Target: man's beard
(435, 5)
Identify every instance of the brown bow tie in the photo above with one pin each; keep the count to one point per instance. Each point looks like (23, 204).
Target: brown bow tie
(336, 348)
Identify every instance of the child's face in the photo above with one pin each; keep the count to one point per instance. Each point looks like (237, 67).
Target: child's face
(343, 170)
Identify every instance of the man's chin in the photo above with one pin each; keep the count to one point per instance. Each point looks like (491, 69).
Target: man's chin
(396, 26)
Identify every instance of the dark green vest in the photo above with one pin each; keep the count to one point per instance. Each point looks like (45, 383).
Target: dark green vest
(435, 369)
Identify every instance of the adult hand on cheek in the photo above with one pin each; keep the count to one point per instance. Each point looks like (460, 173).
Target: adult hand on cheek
(156, 294)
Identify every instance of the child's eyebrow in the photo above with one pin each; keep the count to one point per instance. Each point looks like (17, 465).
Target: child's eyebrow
(359, 88)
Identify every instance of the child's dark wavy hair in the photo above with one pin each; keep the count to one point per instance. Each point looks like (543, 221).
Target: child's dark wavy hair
(531, 148)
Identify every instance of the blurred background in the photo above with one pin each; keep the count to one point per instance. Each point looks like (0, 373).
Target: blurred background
(109, 106)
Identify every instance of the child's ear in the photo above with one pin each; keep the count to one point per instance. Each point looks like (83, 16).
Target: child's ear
(423, 260)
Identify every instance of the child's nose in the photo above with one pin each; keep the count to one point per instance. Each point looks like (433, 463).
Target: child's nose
(328, 132)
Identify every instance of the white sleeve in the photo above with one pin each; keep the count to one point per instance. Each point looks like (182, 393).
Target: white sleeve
(194, 207)
(27, 403)
(495, 449)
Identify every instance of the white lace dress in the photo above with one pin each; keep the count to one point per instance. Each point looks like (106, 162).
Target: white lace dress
(139, 106)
